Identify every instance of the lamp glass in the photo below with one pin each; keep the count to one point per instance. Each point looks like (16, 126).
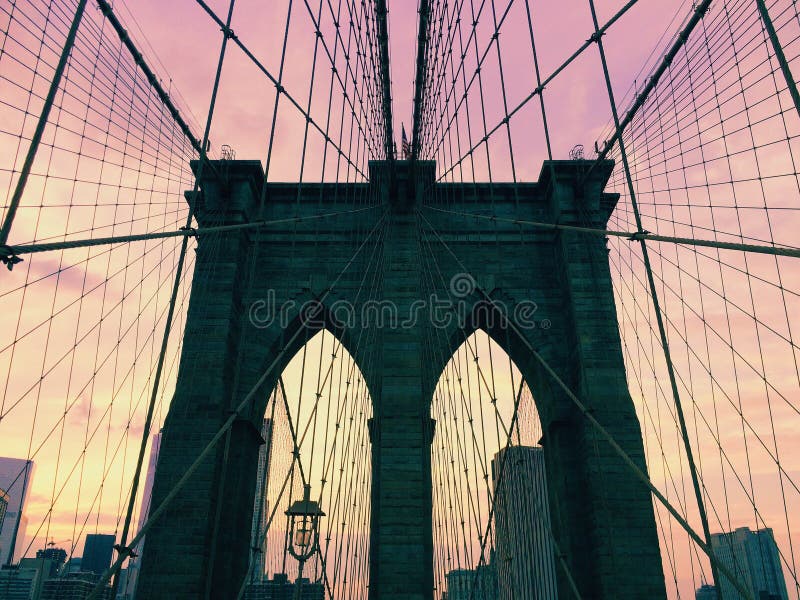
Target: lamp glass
(303, 535)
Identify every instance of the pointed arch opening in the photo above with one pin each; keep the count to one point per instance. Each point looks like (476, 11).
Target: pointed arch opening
(316, 431)
(491, 517)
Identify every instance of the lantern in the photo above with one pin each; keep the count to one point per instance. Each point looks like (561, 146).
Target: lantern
(304, 518)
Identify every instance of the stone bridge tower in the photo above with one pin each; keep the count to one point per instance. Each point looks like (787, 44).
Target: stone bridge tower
(602, 517)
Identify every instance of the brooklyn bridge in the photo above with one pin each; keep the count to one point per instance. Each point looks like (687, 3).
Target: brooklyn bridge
(445, 299)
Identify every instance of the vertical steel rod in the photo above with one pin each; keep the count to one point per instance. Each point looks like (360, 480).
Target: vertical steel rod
(69, 43)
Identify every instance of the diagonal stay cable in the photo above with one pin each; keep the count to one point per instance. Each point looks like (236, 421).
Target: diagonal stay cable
(683, 36)
(108, 13)
(779, 54)
(8, 221)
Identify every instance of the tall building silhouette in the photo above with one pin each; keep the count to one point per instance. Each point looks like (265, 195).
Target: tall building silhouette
(147, 491)
(56, 557)
(261, 509)
(128, 590)
(752, 556)
(524, 548)
(97, 551)
(15, 478)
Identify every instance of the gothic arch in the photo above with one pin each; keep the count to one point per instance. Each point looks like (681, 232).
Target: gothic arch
(273, 347)
(494, 313)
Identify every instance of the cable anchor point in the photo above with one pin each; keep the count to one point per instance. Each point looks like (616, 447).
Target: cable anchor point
(9, 257)
(595, 37)
(125, 551)
(639, 236)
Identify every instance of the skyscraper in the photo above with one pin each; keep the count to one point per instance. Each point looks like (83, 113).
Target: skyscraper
(524, 548)
(147, 491)
(752, 556)
(260, 508)
(128, 590)
(15, 479)
(97, 551)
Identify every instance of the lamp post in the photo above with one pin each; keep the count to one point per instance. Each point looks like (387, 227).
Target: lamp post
(303, 532)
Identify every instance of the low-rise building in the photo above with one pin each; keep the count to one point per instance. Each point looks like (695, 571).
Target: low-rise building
(72, 586)
(23, 581)
(706, 592)
(280, 588)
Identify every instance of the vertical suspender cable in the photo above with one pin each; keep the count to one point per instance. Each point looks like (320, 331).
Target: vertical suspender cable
(43, 118)
(700, 10)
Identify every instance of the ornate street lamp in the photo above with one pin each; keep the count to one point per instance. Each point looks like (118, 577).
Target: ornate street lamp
(303, 531)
